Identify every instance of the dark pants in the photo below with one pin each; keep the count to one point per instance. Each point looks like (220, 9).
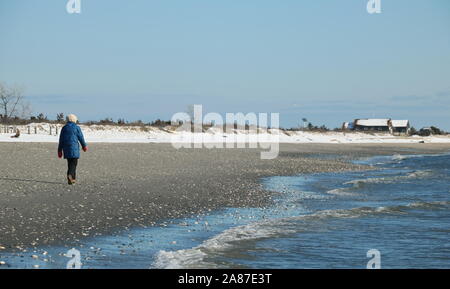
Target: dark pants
(72, 167)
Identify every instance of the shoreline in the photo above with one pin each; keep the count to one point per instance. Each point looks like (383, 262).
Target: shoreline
(165, 184)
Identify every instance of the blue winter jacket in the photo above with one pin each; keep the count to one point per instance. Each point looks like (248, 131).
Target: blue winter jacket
(68, 141)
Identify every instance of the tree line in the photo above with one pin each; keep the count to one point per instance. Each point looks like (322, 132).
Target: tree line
(15, 109)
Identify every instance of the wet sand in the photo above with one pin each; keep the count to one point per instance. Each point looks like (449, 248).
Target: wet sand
(130, 185)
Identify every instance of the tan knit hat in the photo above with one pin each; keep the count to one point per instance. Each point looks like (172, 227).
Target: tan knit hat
(72, 118)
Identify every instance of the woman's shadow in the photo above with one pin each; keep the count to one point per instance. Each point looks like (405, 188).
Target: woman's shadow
(31, 181)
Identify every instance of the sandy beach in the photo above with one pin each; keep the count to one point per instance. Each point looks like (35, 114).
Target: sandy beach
(131, 185)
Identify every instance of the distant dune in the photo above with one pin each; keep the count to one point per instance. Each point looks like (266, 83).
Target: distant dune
(44, 132)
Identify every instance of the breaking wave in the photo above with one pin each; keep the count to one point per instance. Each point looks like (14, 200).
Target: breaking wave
(195, 257)
(341, 192)
(380, 160)
(222, 243)
(399, 157)
(389, 180)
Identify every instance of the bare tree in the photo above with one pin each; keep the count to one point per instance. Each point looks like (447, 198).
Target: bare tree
(12, 102)
(60, 117)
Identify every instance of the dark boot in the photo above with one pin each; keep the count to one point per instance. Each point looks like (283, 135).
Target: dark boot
(70, 180)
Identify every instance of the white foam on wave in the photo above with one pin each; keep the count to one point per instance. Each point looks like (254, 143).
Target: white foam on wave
(389, 180)
(341, 192)
(428, 205)
(197, 257)
(399, 157)
(396, 158)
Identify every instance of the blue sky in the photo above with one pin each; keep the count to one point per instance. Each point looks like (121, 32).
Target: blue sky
(328, 61)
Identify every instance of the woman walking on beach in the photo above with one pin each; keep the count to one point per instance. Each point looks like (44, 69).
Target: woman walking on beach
(69, 138)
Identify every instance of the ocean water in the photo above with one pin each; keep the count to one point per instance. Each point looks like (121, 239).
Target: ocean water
(329, 220)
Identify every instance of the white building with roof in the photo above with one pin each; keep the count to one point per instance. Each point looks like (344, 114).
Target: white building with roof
(372, 124)
(382, 124)
(400, 126)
